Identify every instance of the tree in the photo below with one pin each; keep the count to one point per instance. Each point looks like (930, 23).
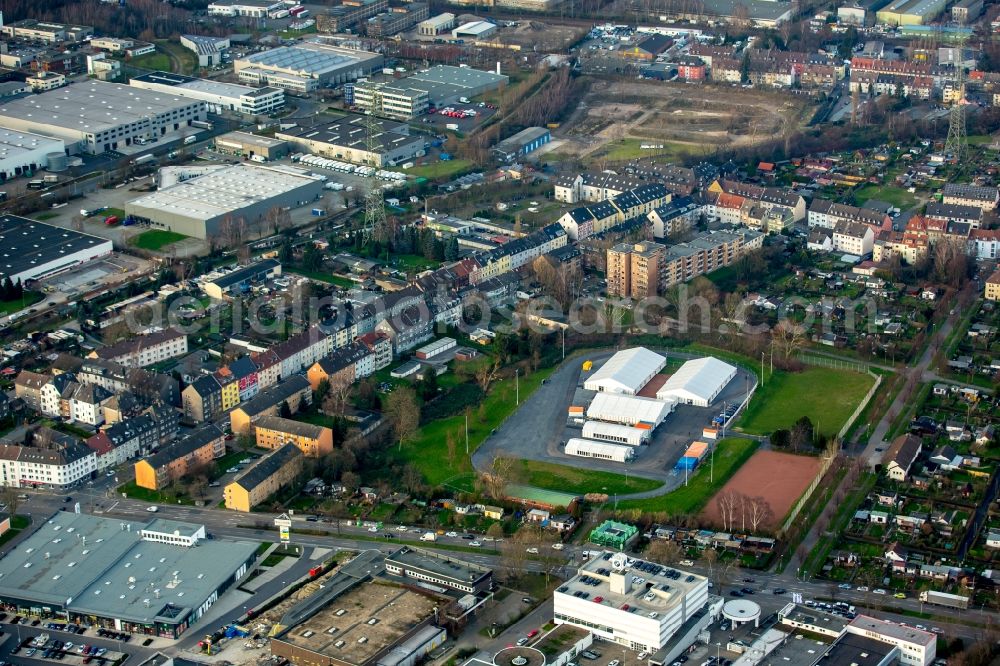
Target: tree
(9, 498)
(780, 439)
(728, 503)
(745, 65)
(664, 551)
(403, 412)
(499, 475)
(802, 434)
(486, 373)
(337, 395)
(759, 512)
(351, 482)
(285, 411)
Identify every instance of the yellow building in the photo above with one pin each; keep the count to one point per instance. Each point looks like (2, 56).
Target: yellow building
(230, 391)
(294, 392)
(266, 477)
(182, 458)
(273, 432)
(992, 289)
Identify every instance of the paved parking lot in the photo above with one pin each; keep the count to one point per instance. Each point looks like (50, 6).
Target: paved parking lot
(539, 430)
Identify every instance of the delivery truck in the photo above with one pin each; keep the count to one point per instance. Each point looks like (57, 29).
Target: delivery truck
(944, 599)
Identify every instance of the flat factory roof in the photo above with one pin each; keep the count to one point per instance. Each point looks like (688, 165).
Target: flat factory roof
(224, 191)
(447, 81)
(27, 244)
(379, 614)
(349, 131)
(14, 143)
(248, 139)
(309, 58)
(440, 565)
(221, 88)
(91, 106)
(101, 566)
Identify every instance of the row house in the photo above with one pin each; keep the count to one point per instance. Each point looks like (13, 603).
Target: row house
(982, 197)
(765, 196)
(28, 387)
(141, 350)
(938, 230)
(519, 252)
(125, 440)
(971, 215)
(302, 350)
(825, 213)
(46, 459)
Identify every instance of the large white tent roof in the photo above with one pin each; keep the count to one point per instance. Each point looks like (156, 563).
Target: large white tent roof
(628, 409)
(627, 371)
(701, 378)
(577, 446)
(598, 429)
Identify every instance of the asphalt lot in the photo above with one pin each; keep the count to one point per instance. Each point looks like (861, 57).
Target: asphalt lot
(538, 429)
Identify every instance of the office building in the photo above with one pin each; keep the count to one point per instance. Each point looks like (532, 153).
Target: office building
(439, 570)
(391, 100)
(156, 578)
(97, 116)
(305, 67)
(200, 207)
(247, 8)
(218, 95)
(33, 250)
(604, 599)
(47, 32)
(346, 139)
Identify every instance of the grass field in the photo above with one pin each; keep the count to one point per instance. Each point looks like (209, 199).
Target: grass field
(320, 276)
(17, 523)
(436, 170)
(187, 61)
(30, 298)
(563, 478)
(826, 396)
(130, 489)
(429, 450)
(897, 196)
(630, 149)
(156, 61)
(730, 454)
(156, 239)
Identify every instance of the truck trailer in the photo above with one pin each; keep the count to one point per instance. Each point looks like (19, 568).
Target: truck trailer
(944, 599)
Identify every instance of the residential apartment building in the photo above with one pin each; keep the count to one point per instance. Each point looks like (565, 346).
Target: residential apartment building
(293, 391)
(705, 253)
(984, 244)
(142, 350)
(971, 215)
(28, 387)
(380, 346)
(827, 214)
(633, 269)
(273, 432)
(186, 456)
(765, 196)
(202, 399)
(144, 385)
(853, 238)
(50, 459)
(586, 221)
(991, 290)
(343, 366)
(970, 195)
(674, 217)
(267, 476)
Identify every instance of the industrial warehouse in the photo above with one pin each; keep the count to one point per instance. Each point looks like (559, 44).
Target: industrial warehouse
(345, 138)
(218, 95)
(199, 207)
(22, 153)
(306, 67)
(155, 578)
(95, 116)
(33, 250)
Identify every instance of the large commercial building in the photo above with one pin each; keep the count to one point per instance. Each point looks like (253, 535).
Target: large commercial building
(626, 372)
(32, 250)
(209, 49)
(911, 12)
(439, 571)
(44, 31)
(524, 142)
(604, 598)
(346, 139)
(697, 382)
(391, 100)
(590, 448)
(218, 95)
(199, 207)
(24, 152)
(303, 68)
(156, 578)
(248, 8)
(445, 84)
(250, 145)
(97, 116)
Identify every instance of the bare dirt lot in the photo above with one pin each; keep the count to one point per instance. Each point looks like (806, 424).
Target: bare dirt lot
(616, 119)
(780, 478)
(543, 37)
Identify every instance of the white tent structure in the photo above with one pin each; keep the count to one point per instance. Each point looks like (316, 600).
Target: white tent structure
(588, 448)
(615, 432)
(629, 410)
(697, 382)
(626, 372)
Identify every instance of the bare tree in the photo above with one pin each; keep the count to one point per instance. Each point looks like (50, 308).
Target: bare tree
(335, 402)
(499, 475)
(759, 512)
(664, 551)
(486, 374)
(403, 413)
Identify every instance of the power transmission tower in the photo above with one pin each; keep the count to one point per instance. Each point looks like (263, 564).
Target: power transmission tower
(375, 225)
(955, 145)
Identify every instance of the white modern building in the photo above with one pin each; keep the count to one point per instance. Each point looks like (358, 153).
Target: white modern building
(916, 647)
(641, 617)
(24, 151)
(629, 410)
(209, 49)
(615, 432)
(97, 116)
(306, 66)
(589, 448)
(626, 372)
(218, 95)
(697, 382)
(248, 8)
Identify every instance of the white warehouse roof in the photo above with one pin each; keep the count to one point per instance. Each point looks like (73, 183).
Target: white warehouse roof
(629, 409)
(615, 432)
(626, 372)
(698, 381)
(588, 448)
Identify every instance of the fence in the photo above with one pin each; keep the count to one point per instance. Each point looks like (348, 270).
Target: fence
(793, 514)
(861, 405)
